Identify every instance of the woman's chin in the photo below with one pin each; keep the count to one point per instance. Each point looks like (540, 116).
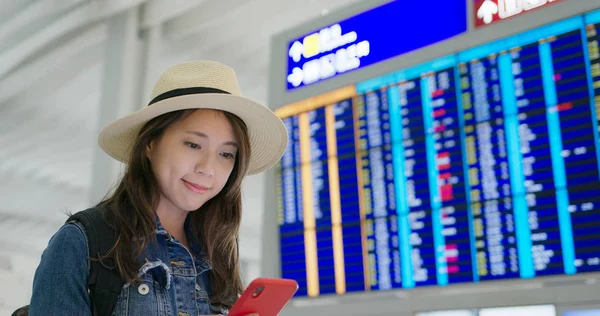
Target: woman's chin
(190, 207)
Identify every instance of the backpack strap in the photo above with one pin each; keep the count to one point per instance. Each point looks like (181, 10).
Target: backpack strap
(104, 282)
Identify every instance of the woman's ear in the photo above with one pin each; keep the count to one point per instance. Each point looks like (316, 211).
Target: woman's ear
(149, 149)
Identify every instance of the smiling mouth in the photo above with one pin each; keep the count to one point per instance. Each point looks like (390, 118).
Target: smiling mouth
(195, 188)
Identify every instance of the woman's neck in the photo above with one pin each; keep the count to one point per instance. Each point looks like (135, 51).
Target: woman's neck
(173, 220)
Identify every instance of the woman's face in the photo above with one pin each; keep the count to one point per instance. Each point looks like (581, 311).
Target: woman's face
(193, 159)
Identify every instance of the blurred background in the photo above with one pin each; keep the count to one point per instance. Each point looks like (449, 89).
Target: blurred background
(335, 71)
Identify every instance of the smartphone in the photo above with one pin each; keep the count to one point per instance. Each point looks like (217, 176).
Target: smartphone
(265, 296)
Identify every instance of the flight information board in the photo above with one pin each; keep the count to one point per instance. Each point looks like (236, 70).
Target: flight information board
(479, 166)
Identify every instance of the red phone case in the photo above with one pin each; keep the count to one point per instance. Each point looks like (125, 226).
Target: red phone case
(269, 301)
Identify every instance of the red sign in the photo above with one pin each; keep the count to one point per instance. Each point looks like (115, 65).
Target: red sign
(490, 11)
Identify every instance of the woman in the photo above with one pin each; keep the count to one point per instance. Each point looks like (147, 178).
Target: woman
(177, 208)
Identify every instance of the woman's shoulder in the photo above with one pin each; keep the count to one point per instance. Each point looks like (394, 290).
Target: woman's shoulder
(70, 231)
(59, 284)
(69, 239)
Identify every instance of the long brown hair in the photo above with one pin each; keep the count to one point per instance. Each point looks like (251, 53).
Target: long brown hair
(216, 224)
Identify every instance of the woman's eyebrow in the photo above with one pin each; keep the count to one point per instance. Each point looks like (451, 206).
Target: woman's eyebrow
(202, 135)
(199, 134)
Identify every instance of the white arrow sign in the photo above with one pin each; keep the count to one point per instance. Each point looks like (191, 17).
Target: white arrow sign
(296, 51)
(296, 77)
(487, 11)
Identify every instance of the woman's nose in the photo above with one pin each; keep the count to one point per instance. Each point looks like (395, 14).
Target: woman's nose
(205, 165)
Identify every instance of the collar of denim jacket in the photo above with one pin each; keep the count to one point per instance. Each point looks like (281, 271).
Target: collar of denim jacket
(192, 239)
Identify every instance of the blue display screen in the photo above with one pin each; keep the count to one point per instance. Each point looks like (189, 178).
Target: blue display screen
(480, 166)
(387, 31)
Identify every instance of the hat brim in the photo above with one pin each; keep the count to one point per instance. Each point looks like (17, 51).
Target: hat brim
(268, 136)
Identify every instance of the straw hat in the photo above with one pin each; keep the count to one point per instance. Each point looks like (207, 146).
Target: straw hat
(202, 85)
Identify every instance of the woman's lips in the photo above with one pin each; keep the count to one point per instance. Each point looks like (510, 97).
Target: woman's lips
(195, 188)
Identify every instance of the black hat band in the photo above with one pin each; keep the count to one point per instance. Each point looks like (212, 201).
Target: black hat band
(185, 91)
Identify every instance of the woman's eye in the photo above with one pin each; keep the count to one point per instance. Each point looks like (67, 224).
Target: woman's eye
(228, 155)
(192, 145)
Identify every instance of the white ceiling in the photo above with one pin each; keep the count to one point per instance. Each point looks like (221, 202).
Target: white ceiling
(51, 68)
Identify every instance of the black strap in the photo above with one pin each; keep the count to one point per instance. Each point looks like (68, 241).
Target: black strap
(104, 282)
(186, 91)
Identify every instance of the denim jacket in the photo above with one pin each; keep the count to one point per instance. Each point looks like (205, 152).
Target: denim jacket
(173, 280)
